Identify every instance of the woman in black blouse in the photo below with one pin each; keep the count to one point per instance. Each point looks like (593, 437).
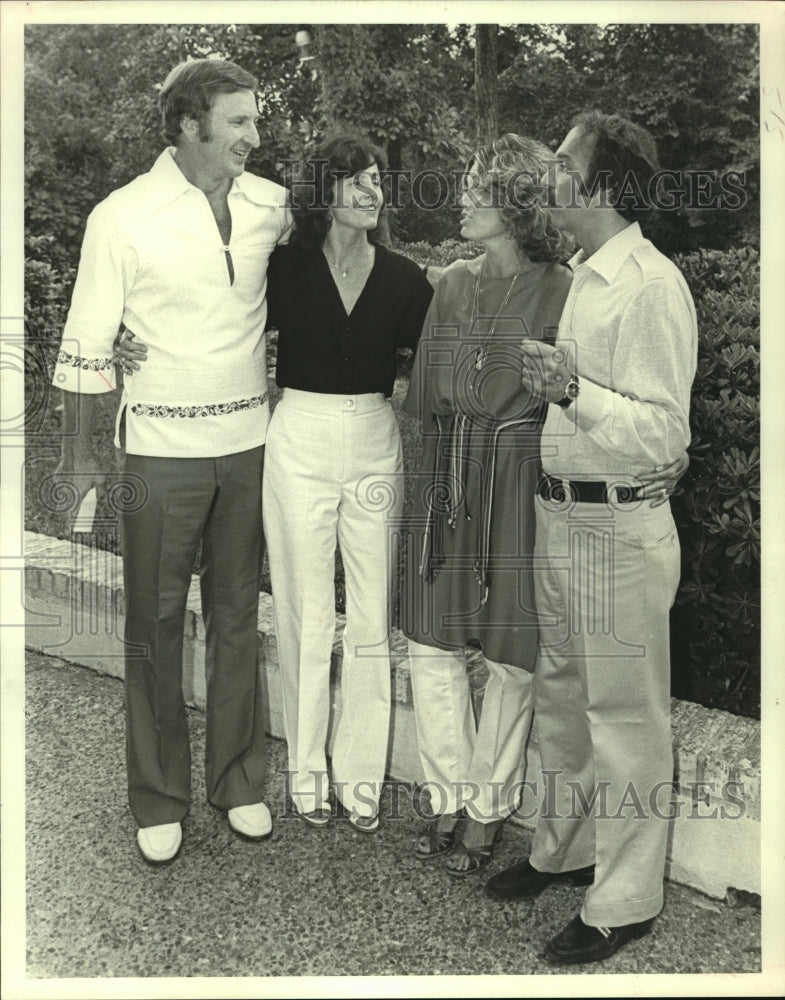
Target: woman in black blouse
(343, 306)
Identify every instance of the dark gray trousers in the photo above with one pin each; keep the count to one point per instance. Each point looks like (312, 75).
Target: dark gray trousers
(218, 502)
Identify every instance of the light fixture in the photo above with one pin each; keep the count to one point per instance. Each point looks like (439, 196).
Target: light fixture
(304, 42)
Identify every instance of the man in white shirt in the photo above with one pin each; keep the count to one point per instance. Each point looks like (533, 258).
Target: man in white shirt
(179, 257)
(606, 562)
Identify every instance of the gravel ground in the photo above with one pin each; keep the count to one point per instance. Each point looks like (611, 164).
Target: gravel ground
(307, 902)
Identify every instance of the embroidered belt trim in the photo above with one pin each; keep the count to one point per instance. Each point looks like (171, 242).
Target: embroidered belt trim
(204, 410)
(86, 364)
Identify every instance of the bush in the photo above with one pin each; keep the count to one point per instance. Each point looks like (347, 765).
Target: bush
(442, 254)
(716, 621)
(715, 624)
(48, 281)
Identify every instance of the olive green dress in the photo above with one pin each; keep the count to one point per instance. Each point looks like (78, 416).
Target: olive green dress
(470, 545)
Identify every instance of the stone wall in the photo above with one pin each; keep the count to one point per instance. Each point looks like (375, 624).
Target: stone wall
(74, 610)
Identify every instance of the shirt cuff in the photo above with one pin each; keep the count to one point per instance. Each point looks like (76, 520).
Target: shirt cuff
(84, 375)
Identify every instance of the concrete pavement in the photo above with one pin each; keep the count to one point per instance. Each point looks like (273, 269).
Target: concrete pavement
(322, 903)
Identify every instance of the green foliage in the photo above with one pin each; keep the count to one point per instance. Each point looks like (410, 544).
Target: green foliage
(715, 647)
(401, 85)
(393, 82)
(695, 87)
(410, 87)
(716, 622)
(442, 254)
(48, 280)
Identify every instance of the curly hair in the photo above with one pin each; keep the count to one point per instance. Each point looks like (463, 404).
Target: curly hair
(623, 157)
(340, 156)
(513, 167)
(191, 88)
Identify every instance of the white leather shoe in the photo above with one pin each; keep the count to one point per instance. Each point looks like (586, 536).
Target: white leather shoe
(253, 822)
(160, 844)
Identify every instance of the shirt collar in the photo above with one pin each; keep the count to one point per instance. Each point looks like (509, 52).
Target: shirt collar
(170, 182)
(244, 185)
(609, 258)
(168, 179)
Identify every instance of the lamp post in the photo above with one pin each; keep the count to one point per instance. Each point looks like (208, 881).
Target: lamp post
(304, 42)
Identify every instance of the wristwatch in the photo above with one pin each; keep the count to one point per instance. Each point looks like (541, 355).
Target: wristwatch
(571, 391)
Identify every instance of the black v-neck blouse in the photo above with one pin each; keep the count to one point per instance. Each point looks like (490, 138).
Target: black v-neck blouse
(320, 348)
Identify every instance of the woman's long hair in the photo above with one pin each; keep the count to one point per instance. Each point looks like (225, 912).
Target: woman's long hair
(339, 156)
(512, 167)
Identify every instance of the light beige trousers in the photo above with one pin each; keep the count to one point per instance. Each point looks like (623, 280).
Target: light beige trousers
(605, 577)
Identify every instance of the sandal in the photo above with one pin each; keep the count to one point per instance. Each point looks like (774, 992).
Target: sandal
(434, 842)
(477, 857)
(365, 824)
(317, 818)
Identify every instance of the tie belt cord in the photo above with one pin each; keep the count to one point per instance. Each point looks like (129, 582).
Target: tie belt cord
(453, 439)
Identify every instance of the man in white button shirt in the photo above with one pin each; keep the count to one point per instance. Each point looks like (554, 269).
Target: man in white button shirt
(179, 257)
(607, 562)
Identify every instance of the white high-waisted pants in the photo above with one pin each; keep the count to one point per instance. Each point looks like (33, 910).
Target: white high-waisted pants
(477, 766)
(333, 472)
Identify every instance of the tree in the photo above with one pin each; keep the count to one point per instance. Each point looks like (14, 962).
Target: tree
(485, 74)
(410, 87)
(91, 125)
(402, 86)
(694, 86)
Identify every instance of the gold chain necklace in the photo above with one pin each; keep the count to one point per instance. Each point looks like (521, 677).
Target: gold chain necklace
(482, 351)
(343, 268)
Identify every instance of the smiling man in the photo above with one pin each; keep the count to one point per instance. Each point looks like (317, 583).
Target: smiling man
(618, 383)
(179, 257)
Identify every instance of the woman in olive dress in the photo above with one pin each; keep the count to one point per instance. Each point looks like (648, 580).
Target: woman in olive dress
(469, 574)
(469, 579)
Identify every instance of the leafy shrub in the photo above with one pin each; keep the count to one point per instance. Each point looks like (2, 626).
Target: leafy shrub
(715, 624)
(48, 282)
(716, 621)
(442, 254)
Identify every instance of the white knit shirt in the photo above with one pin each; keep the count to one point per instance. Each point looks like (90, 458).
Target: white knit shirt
(153, 260)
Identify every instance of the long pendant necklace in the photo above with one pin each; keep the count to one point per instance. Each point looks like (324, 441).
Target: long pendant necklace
(343, 269)
(482, 351)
